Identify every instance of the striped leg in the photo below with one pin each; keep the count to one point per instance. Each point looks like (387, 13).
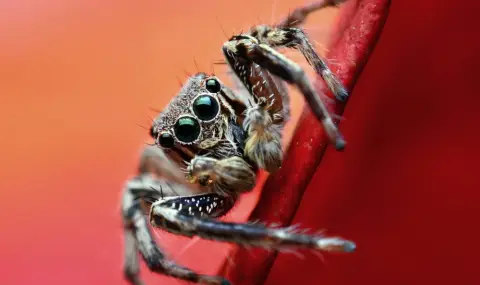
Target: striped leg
(192, 216)
(138, 237)
(241, 51)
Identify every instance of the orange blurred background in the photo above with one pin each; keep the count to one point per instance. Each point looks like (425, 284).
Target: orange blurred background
(77, 77)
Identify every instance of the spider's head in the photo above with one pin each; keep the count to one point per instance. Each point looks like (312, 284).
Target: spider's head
(194, 117)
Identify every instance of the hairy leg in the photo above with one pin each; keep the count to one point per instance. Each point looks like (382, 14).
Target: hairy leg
(153, 160)
(192, 216)
(131, 267)
(138, 237)
(267, 111)
(245, 49)
(299, 15)
(296, 38)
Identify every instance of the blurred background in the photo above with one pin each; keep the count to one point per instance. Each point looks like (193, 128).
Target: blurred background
(77, 78)
(77, 81)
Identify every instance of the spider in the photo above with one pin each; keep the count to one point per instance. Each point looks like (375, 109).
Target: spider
(209, 144)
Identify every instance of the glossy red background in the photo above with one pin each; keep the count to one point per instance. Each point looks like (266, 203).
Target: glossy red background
(77, 76)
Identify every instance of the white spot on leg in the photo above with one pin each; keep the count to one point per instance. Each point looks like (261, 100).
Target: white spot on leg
(281, 234)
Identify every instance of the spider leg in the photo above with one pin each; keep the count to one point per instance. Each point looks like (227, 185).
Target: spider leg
(139, 238)
(267, 110)
(299, 15)
(243, 51)
(192, 216)
(296, 38)
(131, 265)
(153, 160)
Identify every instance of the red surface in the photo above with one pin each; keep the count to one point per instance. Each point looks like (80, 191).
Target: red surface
(359, 27)
(407, 187)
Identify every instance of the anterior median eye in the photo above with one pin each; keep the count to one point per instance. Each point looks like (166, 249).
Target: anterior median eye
(205, 107)
(166, 140)
(212, 85)
(187, 129)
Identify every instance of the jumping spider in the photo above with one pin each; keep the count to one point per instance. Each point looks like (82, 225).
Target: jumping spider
(209, 143)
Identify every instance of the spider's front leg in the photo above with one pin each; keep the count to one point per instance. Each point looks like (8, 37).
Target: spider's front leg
(248, 53)
(192, 216)
(139, 192)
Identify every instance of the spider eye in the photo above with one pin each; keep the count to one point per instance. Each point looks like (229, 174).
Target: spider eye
(213, 86)
(187, 129)
(205, 107)
(166, 140)
(152, 132)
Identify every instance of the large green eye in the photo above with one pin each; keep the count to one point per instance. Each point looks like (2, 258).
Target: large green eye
(205, 107)
(187, 129)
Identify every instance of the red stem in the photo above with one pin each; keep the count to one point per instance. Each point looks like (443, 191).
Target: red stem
(360, 25)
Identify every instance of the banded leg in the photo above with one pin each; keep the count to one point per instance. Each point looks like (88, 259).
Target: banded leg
(267, 111)
(191, 216)
(296, 38)
(138, 236)
(244, 51)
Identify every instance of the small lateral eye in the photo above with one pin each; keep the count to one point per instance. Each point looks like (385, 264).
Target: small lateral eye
(165, 139)
(205, 107)
(212, 85)
(153, 132)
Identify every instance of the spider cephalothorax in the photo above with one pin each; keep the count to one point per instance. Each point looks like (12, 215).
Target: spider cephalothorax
(194, 116)
(209, 142)
(200, 131)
